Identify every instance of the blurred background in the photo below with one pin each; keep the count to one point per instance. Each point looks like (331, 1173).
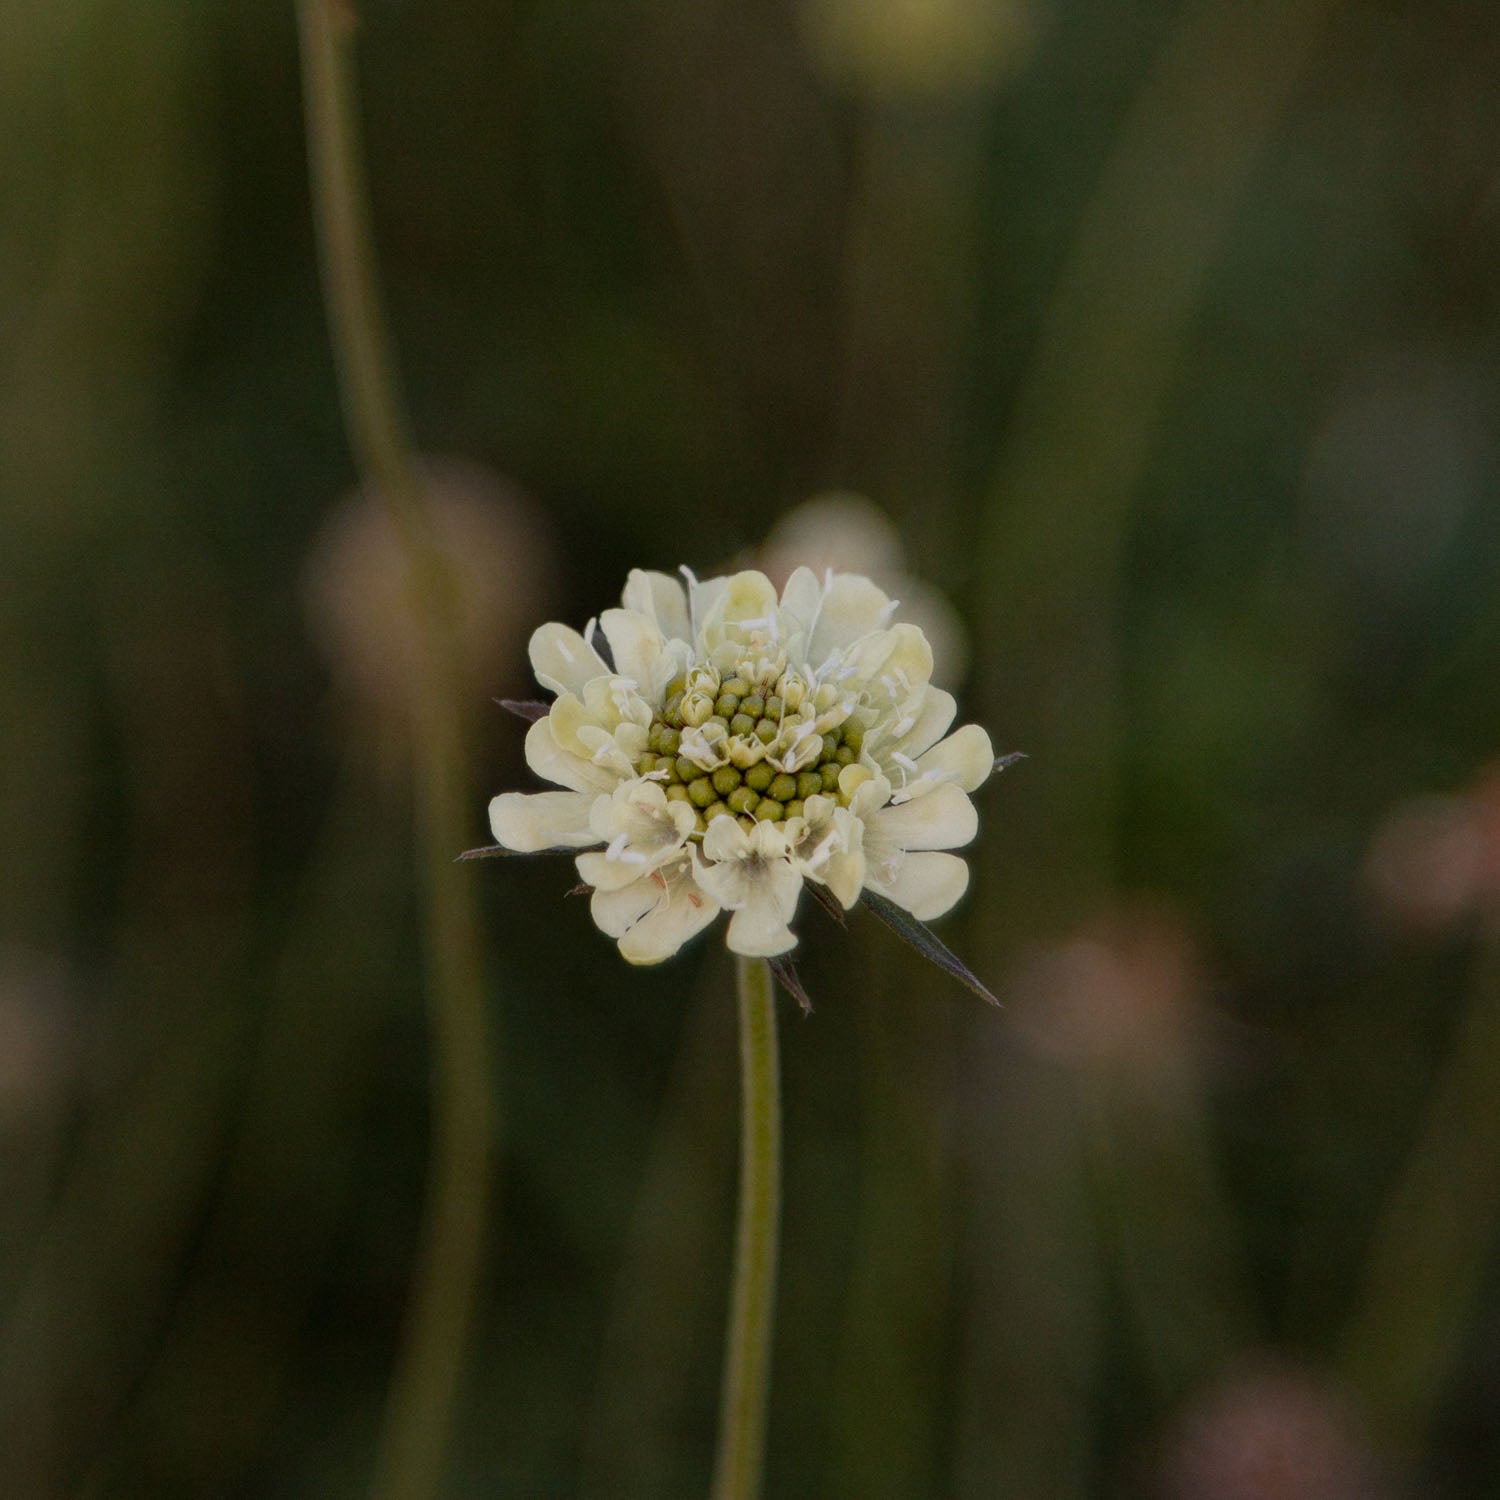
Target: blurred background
(1162, 343)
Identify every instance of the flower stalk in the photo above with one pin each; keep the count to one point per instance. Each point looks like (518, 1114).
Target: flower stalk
(747, 1357)
(425, 1382)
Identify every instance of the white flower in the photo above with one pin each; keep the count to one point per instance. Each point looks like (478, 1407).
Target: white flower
(732, 745)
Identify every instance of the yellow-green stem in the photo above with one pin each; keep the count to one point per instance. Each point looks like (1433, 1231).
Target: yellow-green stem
(747, 1356)
(425, 1382)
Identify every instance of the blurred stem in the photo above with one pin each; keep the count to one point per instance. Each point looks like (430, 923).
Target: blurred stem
(747, 1359)
(425, 1382)
(1433, 1248)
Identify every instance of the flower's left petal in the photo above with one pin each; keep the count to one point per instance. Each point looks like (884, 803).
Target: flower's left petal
(942, 818)
(927, 883)
(616, 910)
(562, 660)
(760, 928)
(531, 821)
(562, 767)
(966, 756)
(606, 874)
(659, 597)
(928, 724)
(639, 649)
(663, 930)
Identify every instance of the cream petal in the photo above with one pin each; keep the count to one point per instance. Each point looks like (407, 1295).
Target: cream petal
(929, 724)
(852, 607)
(615, 911)
(899, 660)
(745, 597)
(532, 821)
(685, 912)
(966, 756)
(759, 929)
(562, 660)
(844, 875)
(927, 883)
(941, 818)
(606, 874)
(659, 597)
(801, 600)
(725, 841)
(639, 650)
(563, 767)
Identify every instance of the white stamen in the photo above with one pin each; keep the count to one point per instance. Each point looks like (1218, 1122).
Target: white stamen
(567, 655)
(888, 609)
(616, 850)
(903, 725)
(904, 761)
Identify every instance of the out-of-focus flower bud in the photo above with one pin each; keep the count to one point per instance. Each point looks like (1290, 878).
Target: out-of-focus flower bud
(1436, 860)
(923, 49)
(360, 605)
(1271, 1430)
(850, 534)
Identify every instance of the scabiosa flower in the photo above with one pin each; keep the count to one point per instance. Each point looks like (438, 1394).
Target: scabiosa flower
(719, 748)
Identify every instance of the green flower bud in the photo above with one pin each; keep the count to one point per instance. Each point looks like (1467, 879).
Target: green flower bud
(766, 731)
(676, 792)
(743, 800)
(644, 765)
(688, 770)
(809, 783)
(715, 810)
(701, 792)
(854, 737)
(783, 788)
(844, 755)
(830, 744)
(736, 685)
(829, 775)
(773, 707)
(726, 705)
(794, 808)
(725, 779)
(759, 776)
(753, 704)
(667, 764)
(742, 724)
(716, 721)
(769, 810)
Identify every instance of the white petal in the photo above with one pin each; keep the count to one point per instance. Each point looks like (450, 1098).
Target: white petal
(926, 883)
(725, 841)
(662, 931)
(966, 756)
(531, 821)
(759, 928)
(744, 599)
(929, 725)
(801, 600)
(562, 660)
(615, 912)
(852, 608)
(897, 660)
(563, 767)
(659, 597)
(942, 818)
(639, 651)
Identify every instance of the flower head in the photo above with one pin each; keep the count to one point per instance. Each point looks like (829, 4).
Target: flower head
(719, 747)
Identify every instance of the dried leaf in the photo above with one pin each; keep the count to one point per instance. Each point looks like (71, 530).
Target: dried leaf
(788, 978)
(529, 709)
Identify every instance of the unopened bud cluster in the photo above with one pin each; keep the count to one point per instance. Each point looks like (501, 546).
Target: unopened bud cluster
(755, 744)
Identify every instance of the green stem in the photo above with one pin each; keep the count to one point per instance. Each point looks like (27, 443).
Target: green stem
(747, 1357)
(445, 1280)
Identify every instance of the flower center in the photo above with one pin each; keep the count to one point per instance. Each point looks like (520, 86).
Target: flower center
(753, 742)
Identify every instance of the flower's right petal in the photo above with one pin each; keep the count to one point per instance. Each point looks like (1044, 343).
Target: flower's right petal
(852, 607)
(532, 821)
(927, 883)
(659, 597)
(562, 660)
(942, 818)
(725, 841)
(967, 756)
(685, 912)
(928, 726)
(561, 767)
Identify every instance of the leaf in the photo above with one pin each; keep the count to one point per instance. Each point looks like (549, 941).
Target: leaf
(828, 901)
(925, 941)
(529, 709)
(499, 851)
(1004, 762)
(787, 977)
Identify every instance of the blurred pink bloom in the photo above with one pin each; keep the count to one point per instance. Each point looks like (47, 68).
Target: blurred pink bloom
(1436, 860)
(1124, 990)
(1270, 1430)
(356, 588)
